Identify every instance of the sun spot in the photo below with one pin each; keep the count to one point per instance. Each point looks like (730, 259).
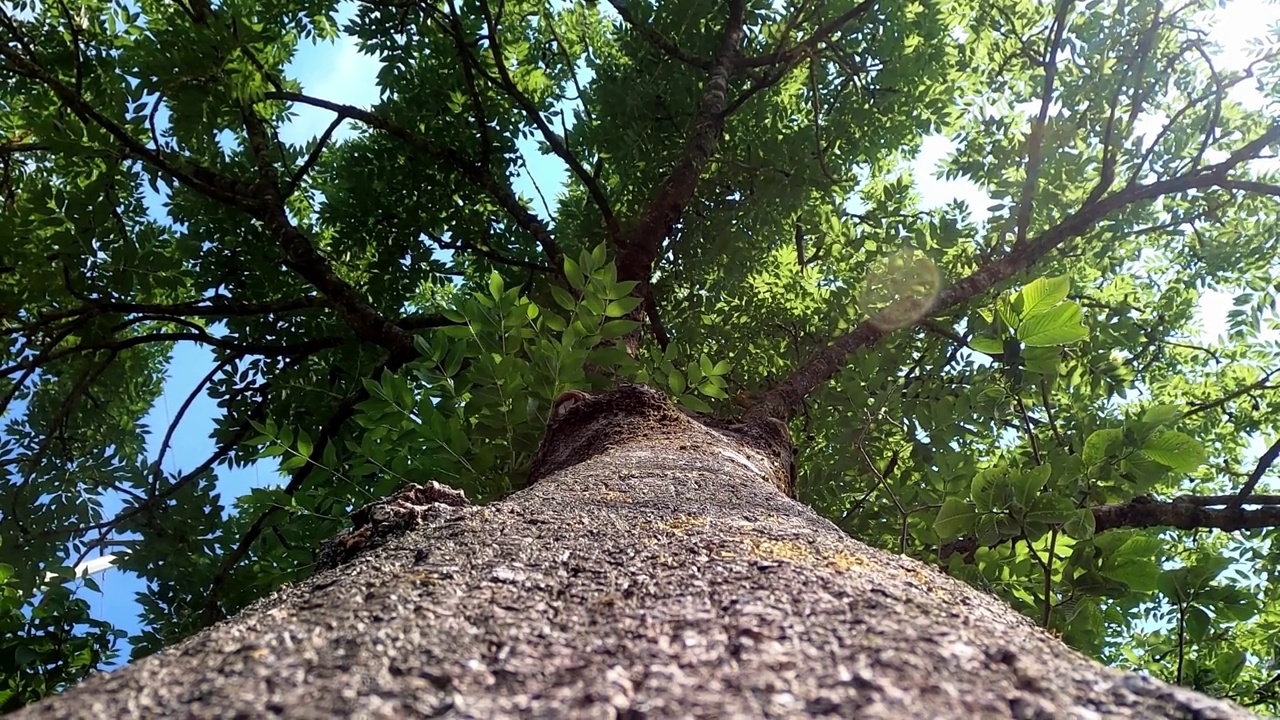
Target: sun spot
(802, 554)
(844, 561)
(899, 289)
(739, 458)
(767, 549)
(682, 523)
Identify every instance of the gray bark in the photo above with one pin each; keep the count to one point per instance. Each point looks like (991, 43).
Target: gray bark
(653, 569)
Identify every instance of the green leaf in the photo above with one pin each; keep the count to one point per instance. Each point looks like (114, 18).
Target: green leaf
(955, 518)
(1081, 525)
(1197, 622)
(1028, 483)
(1051, 510)
(1206, 569)
(987, 530)
(618, 328)
(598, 255)
(1139, 574)
(554, 322)
(1143, 471)
(1043, 293)
(495, 285)
(563, 298)
(617, 291)
(619, 308)
(1004, 310)
(1173, 584)
(272, 451)
(675, 381)
(1228, 664)
(1164, 414)
(574, 274)
(712, 390)
(704, 364)
(693, 402)
(1042, 360)
(1060, 325)
(292, 463)
(987, 345)
(991, 489)
(1140, 546)
(1102, 444)
(1181, 453)
(304, 443)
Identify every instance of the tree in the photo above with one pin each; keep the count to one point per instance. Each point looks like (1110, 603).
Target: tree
(1016, 395)
(653, 568)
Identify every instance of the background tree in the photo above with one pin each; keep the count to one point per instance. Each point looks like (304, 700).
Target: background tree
(1012, 394)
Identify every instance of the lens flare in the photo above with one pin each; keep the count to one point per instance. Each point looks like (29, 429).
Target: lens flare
(900, 289)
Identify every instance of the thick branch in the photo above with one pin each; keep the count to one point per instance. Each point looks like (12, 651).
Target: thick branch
(1143, 512)
(784, 399)
(306, 347)
(1253, 187)
(1035, 141)
(643, 242)
(301, 256)
(215, 307)
(1189, 512)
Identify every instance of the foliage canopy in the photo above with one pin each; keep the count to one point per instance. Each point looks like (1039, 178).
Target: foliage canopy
(1017, 392)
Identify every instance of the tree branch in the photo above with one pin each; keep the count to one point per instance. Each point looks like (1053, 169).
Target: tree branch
(642, 244)
(1189, 512)
(657, 39)
(201, 179)
(1035, 141)
(500, 192)
(155, 467)
(215, 307)
(557, 143)
(1143, 512)
(153, 502)
(1208, 405)
(785, 398)
(312, 158)
(306, 347)
(1264, 464)
(301, 256)
(820, 35)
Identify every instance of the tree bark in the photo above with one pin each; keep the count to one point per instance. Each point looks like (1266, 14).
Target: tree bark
(655, 567)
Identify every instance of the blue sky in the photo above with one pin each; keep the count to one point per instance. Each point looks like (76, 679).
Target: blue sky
(338, 71)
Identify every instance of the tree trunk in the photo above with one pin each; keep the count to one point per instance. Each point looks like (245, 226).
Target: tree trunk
(653, 568)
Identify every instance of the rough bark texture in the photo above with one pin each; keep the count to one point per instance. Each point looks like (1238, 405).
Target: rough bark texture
(653, 570)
